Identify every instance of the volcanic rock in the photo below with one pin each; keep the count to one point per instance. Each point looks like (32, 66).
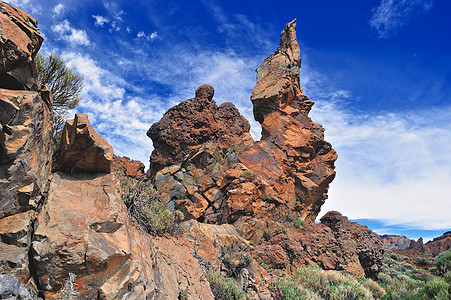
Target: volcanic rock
(82, 148)
(131, 168)
(20, 41)
(192, 123)
(390, 241)
(25, 149)
(439, 244)
(334, 244)
(218, 180)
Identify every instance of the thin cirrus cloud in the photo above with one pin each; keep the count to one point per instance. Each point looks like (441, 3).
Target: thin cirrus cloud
(68, 33)
(391, 15)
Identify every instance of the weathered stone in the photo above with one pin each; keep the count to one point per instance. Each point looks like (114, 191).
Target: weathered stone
(191, 124)
(287, 172)
(82, 148)
(84, 229)
(11, 288)
(334, 244)
(390, 241)
(439, 244)
(25, 149)
(20, 41)
(131, 168)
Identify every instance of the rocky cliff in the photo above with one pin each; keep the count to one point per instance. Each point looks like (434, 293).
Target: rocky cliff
(71, 228)
(434, 247)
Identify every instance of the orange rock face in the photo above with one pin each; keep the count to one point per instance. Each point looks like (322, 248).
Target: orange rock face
(218, 179)
(439, 244)
(20, 41)
(82, 148)
(131, 168)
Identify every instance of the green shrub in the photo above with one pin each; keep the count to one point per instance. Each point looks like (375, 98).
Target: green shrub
(224, 288)
(235, 260)
(312, 282)
(295, 220)
(443, 262)
(249, 175)
(437, 288)
(146, 207)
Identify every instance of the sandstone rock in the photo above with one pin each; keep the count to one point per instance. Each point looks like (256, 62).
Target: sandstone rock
(439, 244)
(82, 148)
(334, 244)
(20, 41)
(191, 124)
(25, 149)
(131, 168)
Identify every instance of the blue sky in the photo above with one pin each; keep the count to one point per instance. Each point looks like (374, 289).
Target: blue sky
(379, 72)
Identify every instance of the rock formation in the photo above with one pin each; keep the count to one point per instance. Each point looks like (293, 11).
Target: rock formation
(131, 168)
(25, 144)
(439, 244)
(192, 123)
(219, 178)
(83, 149)
(334, 244)
(434, 247)
(391, 241)
(73, 224)
(20, 41)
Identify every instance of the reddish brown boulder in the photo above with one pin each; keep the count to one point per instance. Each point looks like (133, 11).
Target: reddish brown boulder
(334, 244)
(82, 148)
(20, 41)
(192, 123)
(131, 168)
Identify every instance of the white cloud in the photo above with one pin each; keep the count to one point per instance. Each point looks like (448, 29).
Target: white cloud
(394, 167)
(149, 37)
(68, 33)
(100, 20)
(391, 15)
(58, 9)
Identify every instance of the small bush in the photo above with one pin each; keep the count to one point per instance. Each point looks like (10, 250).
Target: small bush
(437, 288)
(224, 288)
(249, 175)
(295, 220)
(312, 282)
(146, 207)
(443, 262)
(235, 261)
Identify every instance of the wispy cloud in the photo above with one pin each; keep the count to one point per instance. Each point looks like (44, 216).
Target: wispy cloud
(391, 15)
(393, 167)
(149, 37)
(58, 9)
(100, 20)
(68, 33)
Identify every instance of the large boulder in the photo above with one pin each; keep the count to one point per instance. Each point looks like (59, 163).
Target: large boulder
(128, 167)
(20, 41)
(83, 149)
(192, 123)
